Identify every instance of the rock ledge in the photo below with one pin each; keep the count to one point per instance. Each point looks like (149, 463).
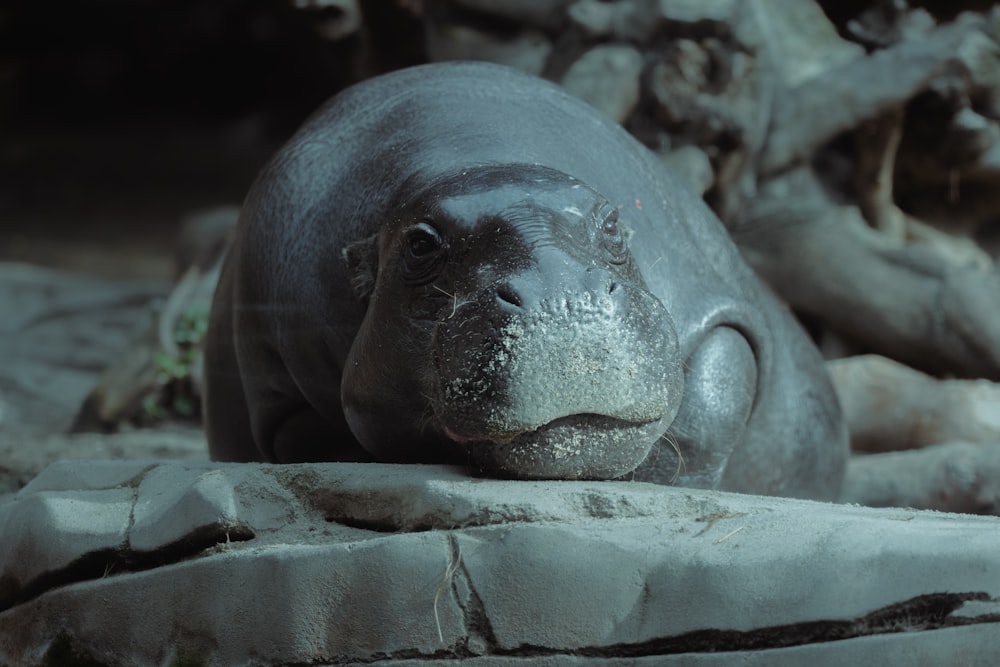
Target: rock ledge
(132, 562)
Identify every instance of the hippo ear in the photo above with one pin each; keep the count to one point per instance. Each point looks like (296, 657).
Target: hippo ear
(362, 265)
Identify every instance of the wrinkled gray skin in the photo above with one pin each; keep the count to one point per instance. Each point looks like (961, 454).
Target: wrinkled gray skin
(459, 262)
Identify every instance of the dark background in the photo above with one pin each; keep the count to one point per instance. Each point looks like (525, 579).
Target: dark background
(117, 118)
(120, 117)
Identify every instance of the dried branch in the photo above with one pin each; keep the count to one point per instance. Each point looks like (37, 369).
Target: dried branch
(958, 56)
(890, 407)
(955, 477)
(907, 302)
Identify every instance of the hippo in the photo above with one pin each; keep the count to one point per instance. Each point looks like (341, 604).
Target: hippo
(462, 263)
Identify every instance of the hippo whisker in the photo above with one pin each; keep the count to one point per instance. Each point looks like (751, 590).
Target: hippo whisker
(454, 562)
(672, 441)
(654, 456)
(454, 300)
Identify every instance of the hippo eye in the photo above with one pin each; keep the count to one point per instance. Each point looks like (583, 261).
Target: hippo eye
(612, 239)
(423, 240)
(423, 254)
(610, 225)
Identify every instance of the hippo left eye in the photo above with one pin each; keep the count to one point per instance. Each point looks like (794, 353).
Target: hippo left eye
(612, 238)
(610, 224)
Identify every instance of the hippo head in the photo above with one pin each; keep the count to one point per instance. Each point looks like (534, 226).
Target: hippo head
(507, 321)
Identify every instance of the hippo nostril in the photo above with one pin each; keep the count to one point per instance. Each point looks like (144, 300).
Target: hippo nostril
(508, 294)
(612, 286)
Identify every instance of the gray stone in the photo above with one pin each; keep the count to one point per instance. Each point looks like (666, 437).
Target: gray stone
(951, 476)
(639, 20)
(89, 476)
(607, 77)
(312, 564)
(801, 41)
(527, 51)
(169, 509)
(23, 456)
(343, 20)
(45, 533)
(965, 646)
(694, 166)
(540, 13)
(59, 330)
(593, 18)
(696, 11)
(708, 94)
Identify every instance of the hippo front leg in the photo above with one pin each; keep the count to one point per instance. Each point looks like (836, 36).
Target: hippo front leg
(720, 385)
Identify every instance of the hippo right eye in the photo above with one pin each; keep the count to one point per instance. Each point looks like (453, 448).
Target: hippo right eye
(423, 240)
(423, 255)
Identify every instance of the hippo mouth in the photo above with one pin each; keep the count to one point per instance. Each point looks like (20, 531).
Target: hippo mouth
(582, 446)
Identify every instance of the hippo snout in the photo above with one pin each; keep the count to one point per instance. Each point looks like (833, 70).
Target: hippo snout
(596, 294)
(558, 374)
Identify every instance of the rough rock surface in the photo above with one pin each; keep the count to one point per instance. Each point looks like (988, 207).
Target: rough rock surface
(130, 562)
(527, 50)
(607, 77)
(58, 332)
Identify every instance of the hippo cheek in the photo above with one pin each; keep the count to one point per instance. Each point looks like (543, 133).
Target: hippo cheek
(568, 388)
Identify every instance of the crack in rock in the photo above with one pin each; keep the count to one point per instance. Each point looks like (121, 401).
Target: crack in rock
(479, 636)
(107, 562)
(924, 612)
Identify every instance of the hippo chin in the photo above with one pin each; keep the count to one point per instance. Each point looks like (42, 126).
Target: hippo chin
(462, 263)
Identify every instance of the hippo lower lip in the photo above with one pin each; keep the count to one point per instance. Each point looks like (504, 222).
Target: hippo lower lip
(564, 448)
(455, 437)
(464, 438)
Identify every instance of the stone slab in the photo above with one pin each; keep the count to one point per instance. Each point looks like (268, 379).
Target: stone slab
(168, 509)
(46, 533)
(58, 331)
(969, 646)
(317, 564)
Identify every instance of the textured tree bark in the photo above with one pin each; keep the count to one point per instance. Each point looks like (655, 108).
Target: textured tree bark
(890, 407)
(952, 477)
(959, 57)
(910, 303)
